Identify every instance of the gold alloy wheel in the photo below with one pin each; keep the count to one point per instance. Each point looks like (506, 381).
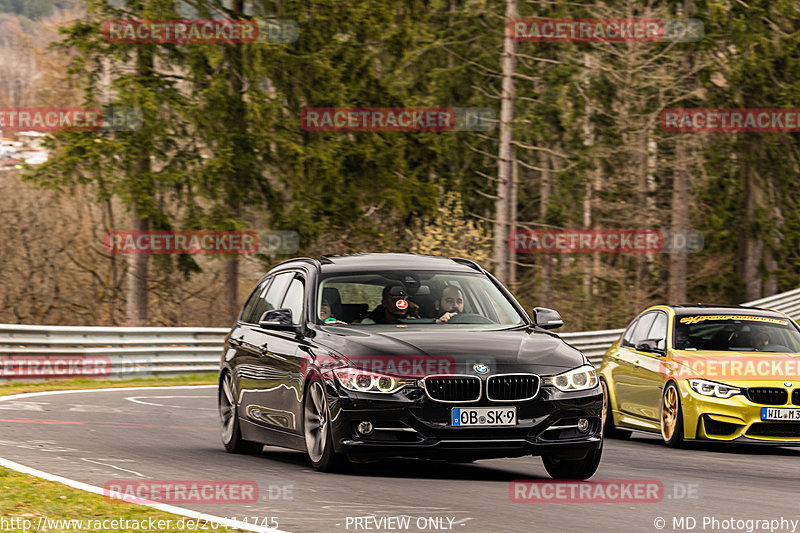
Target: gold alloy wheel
(669, 413)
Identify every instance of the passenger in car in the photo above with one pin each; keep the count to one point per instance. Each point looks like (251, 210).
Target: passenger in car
(449, 304)
(394, 306)
(325, 313)
(760, 339)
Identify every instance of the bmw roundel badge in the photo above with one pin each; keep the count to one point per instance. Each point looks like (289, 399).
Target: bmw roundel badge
(480, 368)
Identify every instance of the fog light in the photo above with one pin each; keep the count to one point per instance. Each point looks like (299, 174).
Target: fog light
(583, 425)
(365, 428)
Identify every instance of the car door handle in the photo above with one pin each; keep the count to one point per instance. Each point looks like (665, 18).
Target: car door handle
(636, 363)
(264, 352)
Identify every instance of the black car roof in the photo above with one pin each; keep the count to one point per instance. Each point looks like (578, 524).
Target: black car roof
(392, 261)
(683, 310)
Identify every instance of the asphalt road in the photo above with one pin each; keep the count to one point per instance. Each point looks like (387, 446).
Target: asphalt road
(171, 434)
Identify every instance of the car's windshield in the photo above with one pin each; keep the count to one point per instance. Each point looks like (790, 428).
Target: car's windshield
(413, 298)
(735, 332)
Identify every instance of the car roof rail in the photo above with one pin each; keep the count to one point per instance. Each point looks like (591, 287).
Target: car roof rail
(467, 262)
(311, 260)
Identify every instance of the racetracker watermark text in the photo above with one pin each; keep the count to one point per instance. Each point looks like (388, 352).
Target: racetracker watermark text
(604, 491)
(402, 366)
(201, 31)
(617, 241)
(181, 492)
(616, 30)
(397, 119)
(61, 366)
(730, 120)
(756, 367)
(47, 119)
(181, 242)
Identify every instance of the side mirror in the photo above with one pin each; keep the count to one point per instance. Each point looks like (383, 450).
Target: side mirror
(651, 345)
(547, 318)
(278, 319)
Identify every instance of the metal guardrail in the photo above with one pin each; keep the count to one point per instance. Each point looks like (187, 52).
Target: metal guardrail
(114, 351)
(593, 344)
(785, 302)
(129, 352)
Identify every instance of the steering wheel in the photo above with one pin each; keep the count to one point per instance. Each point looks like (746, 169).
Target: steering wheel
(469, 318)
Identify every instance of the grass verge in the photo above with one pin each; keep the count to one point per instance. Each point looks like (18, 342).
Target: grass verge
(27, 501)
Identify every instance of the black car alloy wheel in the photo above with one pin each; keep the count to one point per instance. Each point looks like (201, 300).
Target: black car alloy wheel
(316, 427)
(229, 420)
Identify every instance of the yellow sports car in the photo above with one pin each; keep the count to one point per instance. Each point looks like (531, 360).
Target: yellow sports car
(727, 374)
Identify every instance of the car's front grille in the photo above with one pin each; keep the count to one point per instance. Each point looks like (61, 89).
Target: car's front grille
(775, 429)
(796, 397)
(453, 388)
(715, 427)
(512, 387)
(767, 395)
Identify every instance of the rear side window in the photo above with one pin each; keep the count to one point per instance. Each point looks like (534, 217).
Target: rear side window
(271, 297)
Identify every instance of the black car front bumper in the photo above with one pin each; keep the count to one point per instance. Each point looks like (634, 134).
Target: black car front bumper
(410, 424)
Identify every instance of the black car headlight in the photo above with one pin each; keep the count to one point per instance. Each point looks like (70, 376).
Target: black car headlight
(581, 378)
(362, 381)
(711, 388)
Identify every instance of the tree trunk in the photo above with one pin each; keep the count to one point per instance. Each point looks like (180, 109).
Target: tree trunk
(770, 262)
(544, 202)
(137, 278)
(588, 194)
(512, 225)
(771, 265)
(753, 248)
(677, 287)
(138, 263)
(505, 159)
(241, 161)
(677, 284)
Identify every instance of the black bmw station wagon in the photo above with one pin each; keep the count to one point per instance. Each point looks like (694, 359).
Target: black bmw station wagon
(359, 357)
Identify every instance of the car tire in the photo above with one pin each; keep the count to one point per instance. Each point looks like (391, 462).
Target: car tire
(229, 420)
(573, 468)
(671, 416)
(609, 430)
(317, 430)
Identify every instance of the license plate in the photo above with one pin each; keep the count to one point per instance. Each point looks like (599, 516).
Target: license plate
(484, 416)
(773, 413)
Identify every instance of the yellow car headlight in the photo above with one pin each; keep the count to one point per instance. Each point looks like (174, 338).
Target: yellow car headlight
(712, 388)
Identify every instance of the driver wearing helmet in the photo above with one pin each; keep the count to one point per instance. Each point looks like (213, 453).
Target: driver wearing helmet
(394, 306)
